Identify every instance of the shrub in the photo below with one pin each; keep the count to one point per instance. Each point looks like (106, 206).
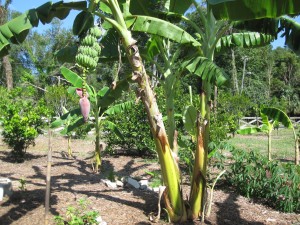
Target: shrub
(135, 130)
(78, 215)
(22, 122)
(277, 184)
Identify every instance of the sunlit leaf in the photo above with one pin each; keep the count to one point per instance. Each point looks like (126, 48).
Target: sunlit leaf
(189, 119)
(16, 30)
(278, 115)
(253, 9)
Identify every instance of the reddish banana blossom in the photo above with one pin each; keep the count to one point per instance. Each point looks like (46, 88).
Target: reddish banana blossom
(84, 103)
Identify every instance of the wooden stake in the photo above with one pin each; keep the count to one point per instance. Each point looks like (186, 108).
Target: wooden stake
(48, 179)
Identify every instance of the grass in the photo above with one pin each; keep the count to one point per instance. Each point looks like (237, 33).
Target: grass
(283, 143)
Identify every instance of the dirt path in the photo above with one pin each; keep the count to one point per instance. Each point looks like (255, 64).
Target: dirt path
(72, 179)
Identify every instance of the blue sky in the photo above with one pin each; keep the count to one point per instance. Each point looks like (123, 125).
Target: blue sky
(21, 5)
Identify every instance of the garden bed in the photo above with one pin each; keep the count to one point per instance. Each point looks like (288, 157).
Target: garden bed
(73, 179)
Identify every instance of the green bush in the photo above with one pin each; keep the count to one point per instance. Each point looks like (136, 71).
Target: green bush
(278, 184)
(22, 122)
(135, 129)
(78, 215)
(57, 97)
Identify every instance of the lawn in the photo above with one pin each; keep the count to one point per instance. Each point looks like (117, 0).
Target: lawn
(283, 143)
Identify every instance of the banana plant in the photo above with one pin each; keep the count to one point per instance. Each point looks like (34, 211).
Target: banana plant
(102, 104)
(66, 123)
(119, 18)
(270, 116)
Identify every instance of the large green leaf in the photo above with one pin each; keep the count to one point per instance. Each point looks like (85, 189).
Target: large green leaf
(77, 122)
(16, 30)
(72, 77)
(265, 119)
(156, 7)
(189, 119)
(245, 40)
(110, 42)
(67, 54)
(249, 130)
(83, 21)
(279, 115)
(114, 93)
(291, 33)
(118, 108)
(113, 127)
(206, 69)
(253, 9)
(161, 28)
(264, 25)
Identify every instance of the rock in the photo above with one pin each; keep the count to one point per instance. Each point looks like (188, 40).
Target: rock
(133, 182)
(119, 183)
(271, 220)
(5, 188)
(109, 184)
(143, 184)
(156, 189)
(100, 221)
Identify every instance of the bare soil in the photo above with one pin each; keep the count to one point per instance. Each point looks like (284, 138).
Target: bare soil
(73, 179)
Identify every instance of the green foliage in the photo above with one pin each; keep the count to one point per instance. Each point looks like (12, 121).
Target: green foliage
(16, 30)
(274, 182)
(22, 122)
(137, 138)
(226, 120)
(58, 98)
(155, 180)
(23, 183)
(78, 215)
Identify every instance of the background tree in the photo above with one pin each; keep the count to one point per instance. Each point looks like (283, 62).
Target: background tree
(5, 60)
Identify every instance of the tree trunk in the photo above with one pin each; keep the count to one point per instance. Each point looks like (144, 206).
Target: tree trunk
(97, 157)
(245, 59)
(170, 171)
(269, 146)
(198, 185)
(234, 74)
(269, 75)
(8, 72)
(297, 151)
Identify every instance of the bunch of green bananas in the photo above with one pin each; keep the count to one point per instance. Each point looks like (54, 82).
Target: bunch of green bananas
(89, 49)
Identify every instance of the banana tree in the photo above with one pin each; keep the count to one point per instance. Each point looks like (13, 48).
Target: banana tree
(120, 19)
(268, 17)
(270, 116)
(102, 105)
(66, 122)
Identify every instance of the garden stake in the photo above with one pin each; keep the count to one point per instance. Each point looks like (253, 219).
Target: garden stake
(48, 179)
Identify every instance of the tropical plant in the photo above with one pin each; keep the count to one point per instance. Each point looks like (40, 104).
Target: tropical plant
(253, 175)
(79, 215)
(270, 118)
(119, 19)
(101, 106)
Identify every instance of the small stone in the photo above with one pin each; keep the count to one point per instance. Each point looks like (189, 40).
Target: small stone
(133, 182)
(143, 184)
(271, 220)
(119, 183)
(99, 219)
(5, 187)
(156, 189)
(109, 184)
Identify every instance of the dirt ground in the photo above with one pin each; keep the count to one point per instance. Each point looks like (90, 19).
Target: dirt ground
(72, 179)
